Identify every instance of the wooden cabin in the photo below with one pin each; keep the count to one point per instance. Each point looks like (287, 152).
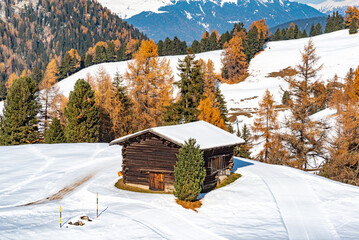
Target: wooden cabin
(149, 156)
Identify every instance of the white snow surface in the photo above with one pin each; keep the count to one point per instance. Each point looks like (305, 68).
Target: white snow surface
(206, 135)
(267, 202)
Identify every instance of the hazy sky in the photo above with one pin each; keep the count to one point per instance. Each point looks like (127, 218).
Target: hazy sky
(310, 1)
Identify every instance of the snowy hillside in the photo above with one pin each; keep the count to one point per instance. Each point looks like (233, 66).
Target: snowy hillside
(268, 202)
(330, 6)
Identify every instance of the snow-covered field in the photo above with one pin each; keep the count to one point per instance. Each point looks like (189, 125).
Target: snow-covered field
(267, 202)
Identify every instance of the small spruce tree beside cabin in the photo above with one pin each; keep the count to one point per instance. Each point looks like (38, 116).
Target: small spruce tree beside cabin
(189, 171)
(83, 120)
(19, 124)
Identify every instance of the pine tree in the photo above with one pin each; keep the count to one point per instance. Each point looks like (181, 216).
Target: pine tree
(312, 31)
(124, 126)
(244, 149)
(189, 171)
(149, 81)
(160, 48)
(290, 32)
(296, 32)
(18, 124)
(305, 137)
(234, 60)
(82, 114)
(37, 75)
(353, 28)
(304, 34)
(196, 47)
(253, 43)
(70, 64)
(55, 133)
(277, 35)
(318, 29)
(283, 33)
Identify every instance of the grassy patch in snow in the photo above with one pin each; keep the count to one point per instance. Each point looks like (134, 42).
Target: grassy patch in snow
(228, 180)
(286, 72)
(190, 205)
(120, 185)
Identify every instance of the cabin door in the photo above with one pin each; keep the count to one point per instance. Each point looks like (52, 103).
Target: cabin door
(157, 181)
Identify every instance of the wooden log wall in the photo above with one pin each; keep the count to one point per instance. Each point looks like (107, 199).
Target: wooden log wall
(148, 154)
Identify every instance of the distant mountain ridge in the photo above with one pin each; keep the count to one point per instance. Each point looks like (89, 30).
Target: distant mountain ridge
(188, 19)
(330, 6)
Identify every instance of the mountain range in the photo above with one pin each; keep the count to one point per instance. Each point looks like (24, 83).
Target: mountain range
(189, 19)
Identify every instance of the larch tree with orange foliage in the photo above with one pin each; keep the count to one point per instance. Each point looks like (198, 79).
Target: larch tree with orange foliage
(210, 109)
(108, 103)
(234, 60)
(265, 131)
(351, 15)
(48, 91)
(305, 137)
(150, 87)
(343, 164)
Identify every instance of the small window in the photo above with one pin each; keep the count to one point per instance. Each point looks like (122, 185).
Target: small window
(217, 164)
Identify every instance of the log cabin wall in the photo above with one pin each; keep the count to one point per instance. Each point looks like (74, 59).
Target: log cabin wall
(149, 154)
(211, 179)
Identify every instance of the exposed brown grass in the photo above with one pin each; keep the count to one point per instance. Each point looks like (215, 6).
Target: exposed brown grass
(190, 205)
(236, 80)
(120, 185)
(286, 72)
(228, 180)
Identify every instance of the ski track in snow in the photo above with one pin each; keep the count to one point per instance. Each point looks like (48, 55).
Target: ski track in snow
(297, 215)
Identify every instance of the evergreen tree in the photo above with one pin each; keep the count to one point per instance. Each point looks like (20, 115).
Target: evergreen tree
(3, 91)
(283, 33)
(277, 35)
(329, 26)
(318, 29)
(70, 64)
(37, 75)
(110, 52)
(196, 47)
(253, 43)
(304, 34)
(353, 28)
(82, 114)
(244, 149)
(160, 48)
(312, 31)
(18, 124)
(290, 32)
(225, 37)
(125, 126)
(296, 32)
(212, 42)
(55, 133)
(167, 47)
(191, 92)
(189, 171)
(88, 60)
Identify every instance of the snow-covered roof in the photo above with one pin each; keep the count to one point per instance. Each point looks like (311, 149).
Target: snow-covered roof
(206, 135)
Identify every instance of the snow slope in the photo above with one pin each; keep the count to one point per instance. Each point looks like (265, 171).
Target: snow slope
(338, 52)
(267, 202)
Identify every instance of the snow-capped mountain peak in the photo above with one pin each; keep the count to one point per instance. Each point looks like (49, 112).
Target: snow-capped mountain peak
(330, 6)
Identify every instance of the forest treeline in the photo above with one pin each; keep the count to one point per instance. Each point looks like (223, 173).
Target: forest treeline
(100, 109)
(32, 36)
